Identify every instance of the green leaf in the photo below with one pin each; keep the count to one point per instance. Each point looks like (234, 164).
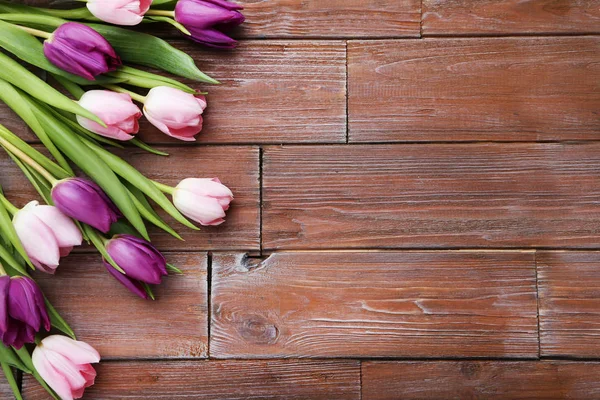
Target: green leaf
(98, 243)
(24, 355)
(8, 230)
(81, 131)
(174, 269)
(39, 183)
(8, 356)
(91, 164)
(11, 262)
(148, 290)
(171, 21)
(12, 382)
(144, 146)
(57, 321)
(148, 50)
(14, 99)
(25, 80)
(136, 77)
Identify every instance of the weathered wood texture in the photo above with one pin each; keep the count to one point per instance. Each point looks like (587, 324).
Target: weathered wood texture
(490, 17)
(5, 391)
(294, 380)
(237, 167)
(120, 325)
(569, 290)
(374, 304)
(431, 196)
(271, 92)
(480, 380)
(492, 89)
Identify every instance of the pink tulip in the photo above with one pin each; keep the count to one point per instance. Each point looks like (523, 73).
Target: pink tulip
(116, 110)
(47, 234)
(65, 365)
(203, 200)
(174, 112)
(119, 12)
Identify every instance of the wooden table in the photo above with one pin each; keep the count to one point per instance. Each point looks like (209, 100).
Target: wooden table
(417, 212)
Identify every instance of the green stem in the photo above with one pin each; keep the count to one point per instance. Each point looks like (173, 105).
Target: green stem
(73, 88)
(36, 32)
(164, 188)
(8, 205)
(2, 270)
(164, 13)
(118, 89)
(28, 160)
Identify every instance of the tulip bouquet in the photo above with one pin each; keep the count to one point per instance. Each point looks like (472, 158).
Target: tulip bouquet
(92, 100)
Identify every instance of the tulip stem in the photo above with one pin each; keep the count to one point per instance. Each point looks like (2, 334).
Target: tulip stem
(36, 32)
(28, 160)
(8, 205)
(163, 13)
(119, 89)
(164, 188)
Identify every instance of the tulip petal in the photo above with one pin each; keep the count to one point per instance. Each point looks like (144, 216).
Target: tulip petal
(4, 319)
(77, 351)
(66, 232)
(205, 187)
(51, 376)
(202, 209)
(38, 240)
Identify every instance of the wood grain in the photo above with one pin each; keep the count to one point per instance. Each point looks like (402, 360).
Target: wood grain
(119, 324)
(480, 380)
(474, 89)
(237, 167)
(476, 17)
(374, 304)
(281, 379)
(270, 92)
(5, 390)
(569, 289)
(431, 196)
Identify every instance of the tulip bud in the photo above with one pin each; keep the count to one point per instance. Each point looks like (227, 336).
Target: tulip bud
(116, 110)
(65, 365)
(132, 285)
(84, 201)
(119, 12)
(80, 50)
(203, 200)
(22, 311)
(46, 234)
(138, 258)
(206, 20)
(175, 112)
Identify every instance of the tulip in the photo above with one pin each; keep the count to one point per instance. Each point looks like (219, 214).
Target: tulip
(119, 12)
(46, 234)
(22, 311)
(203, 200)
(84, 201)
(116, 110)
(134, 286)
(80, 50)
(174, 112)
(138, 258)
(206, 20)
(65, 365)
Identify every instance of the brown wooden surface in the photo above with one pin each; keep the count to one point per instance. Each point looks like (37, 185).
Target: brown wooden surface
(476, 17)
(509, 89)
(119, 324)
(431, 196)
(569, 287)
(480, 380)
(169, 380)
(237, 167)
(366, 304)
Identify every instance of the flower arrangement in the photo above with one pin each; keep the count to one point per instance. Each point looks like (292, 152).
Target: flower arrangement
(107, 203)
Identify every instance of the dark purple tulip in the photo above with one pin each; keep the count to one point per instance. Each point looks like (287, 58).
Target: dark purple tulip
(80, 50)
(138, 258)
(84, 201)
(22, 311)
(132, 285)
(208, 19)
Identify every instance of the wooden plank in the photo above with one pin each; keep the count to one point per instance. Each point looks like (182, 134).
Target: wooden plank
(374, 304)
(270, 92)
(119, 324)
(569, 289)
(281, 379)
(5, 390)
(431, 196)
(480, 380)
(472, 89)
(489, 17)
(237, 167)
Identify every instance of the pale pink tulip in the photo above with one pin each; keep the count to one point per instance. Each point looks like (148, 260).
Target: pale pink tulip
(116, 110)
(65, 365)
(203, 200)
(175, 112)
(119, 12)
(46, 234)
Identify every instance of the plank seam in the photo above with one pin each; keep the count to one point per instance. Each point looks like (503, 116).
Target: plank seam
(347, 99)
(260, 198)
(537, 301)
(209, 258)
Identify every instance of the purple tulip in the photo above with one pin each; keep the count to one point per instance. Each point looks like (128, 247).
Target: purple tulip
(140, 260)
(84, 201)
(132, 285)
(22, 311)
(80, 50)
(208, 19)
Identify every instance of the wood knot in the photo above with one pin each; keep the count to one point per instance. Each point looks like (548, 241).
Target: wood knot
(259, 330)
